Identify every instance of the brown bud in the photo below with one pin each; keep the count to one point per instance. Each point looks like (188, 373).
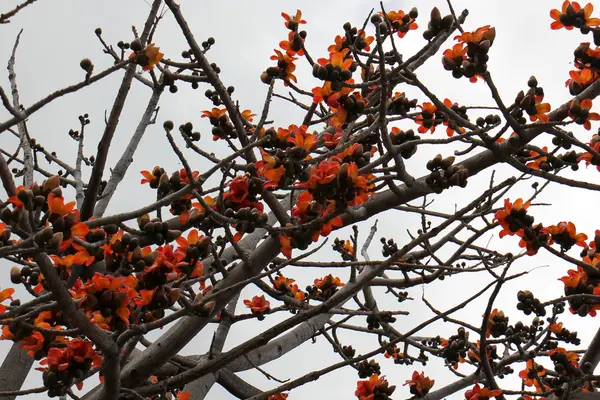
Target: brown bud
(15, 275)
(163, 183)
(446, 162)
(43, 236)
(454, 180)
(57, 192)
(485, 45)
(436, 17)
(174, 295)
(448, 63)
(136, 45)
(56, 240)
(143, 220)
(490, 34)
(86, 65)
(266, 78)
(24, 197)
(532, 82)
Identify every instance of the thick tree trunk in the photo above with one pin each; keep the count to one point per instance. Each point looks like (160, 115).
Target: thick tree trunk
(14, 370)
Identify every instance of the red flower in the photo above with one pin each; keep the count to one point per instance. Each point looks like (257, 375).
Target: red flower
(258, 305)
(293, 46)
(427, 117)
(479, 393)
(366, 390)
(573, 358)
(509, 210)
(396, 18)
(580, 112)
(450, 131)
(14, 200)
(540, 110)
(328, 281)
(295, 21)
(302, 139)
(285, 243)
(148, 57)
(419, 384)
(571, 11)
(214, 114)
(285, 63)
(5, 295)
(532, 373)
(565, 231)
(573, 277)
(322, 174)
(481, 34)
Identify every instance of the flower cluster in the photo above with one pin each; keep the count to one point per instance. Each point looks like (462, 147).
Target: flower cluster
(68, 365)
(469, 56)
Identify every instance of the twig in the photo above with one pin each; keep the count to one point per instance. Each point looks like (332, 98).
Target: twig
(24, 140)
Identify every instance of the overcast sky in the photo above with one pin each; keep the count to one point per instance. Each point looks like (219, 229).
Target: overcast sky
(58, 34)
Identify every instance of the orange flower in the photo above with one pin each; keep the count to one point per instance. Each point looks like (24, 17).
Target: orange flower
(270, 168)
(322, 93)
(565, 234)
(571, 12)
(57, 206)
(494, 315)
(285, 243)
(68, 260)
(152, 177)
(302, 139)
(341, 42)
(426, 119)
(483, 33)
(479, 393)
(215, 113)
(556, 327)
(285, 63)
(293, 22)
(192, 239)
(419, 384)
(584, 77)
(322, 174)
(573, 277)
(258, 305)
(396, 19)
(293, 46)
(338, 59)
(366, 390)
(538, 159)
(247, 115)
(531, 374)
(583, 116)
(457, 53)
(5, 295)
(573, 358)
(3, 228)
(148, 57)
(450, 131)
(510, 209)
(14, 200)
(286, 285)
(328, 281)
(540, 110)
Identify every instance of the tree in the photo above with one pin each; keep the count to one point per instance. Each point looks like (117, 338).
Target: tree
(219, 242)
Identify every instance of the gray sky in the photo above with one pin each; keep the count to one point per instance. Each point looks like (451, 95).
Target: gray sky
(58, 34)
